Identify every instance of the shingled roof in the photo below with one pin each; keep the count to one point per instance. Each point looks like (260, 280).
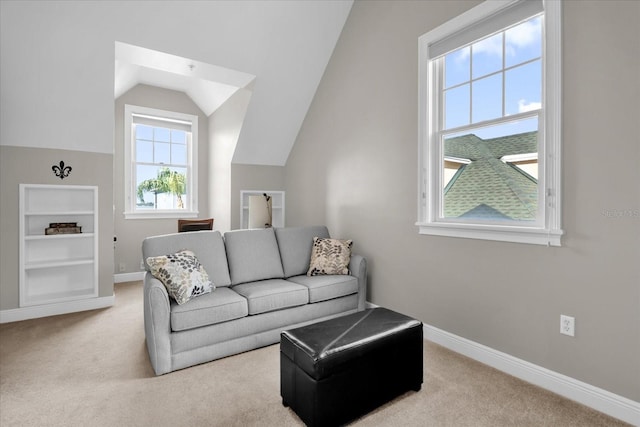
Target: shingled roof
(487, 187)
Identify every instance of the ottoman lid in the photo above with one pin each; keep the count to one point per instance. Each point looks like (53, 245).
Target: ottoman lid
(321, 348)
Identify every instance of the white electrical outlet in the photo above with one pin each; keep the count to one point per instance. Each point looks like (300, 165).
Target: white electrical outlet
(122, 267)
(567, 325)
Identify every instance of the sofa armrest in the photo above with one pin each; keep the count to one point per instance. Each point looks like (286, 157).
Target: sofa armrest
(358, 268)
(157, 324)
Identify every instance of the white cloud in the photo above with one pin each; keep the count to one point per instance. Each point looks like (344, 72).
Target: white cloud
(523, 106)
(491, 45)
(461, 55)
(520, 36)
(523, 35)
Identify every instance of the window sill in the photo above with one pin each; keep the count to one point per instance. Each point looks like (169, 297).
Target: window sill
(534, 236)
(161, 215)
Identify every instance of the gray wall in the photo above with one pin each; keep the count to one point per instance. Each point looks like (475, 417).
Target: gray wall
(131, 232)
(354, 167)
(24, 165)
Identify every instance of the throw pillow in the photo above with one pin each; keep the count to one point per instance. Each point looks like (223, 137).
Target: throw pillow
(182, 275)
(329, 256)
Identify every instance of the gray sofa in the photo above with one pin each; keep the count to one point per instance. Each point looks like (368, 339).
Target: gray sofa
(261, 289)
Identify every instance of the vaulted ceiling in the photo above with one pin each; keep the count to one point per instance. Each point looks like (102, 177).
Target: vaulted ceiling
(277, 49)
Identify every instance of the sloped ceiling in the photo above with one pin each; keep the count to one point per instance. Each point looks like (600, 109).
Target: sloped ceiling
(207, 85)
(278, 49)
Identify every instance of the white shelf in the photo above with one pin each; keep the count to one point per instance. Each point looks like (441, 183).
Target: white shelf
(60, 236)
(277, 208)
(58, 267)
(49, 213)
(57, 264)
(56, 297)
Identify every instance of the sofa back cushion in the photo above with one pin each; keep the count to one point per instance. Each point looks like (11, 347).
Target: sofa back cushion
(295, 245)
(207, 246)
(252, 255)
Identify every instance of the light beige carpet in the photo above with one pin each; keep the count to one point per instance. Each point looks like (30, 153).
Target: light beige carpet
(92, 369)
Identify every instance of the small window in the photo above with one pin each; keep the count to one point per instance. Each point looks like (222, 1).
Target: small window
(160, 165)
(489, 124)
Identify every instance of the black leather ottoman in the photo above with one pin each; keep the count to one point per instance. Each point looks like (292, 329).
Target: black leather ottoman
(334, 371)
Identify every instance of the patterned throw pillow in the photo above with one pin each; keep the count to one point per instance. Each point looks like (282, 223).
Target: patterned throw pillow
(329, 256)
(182, 275)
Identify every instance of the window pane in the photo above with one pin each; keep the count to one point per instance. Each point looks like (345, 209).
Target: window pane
(487, 98)
(160, 147)
(144, 151)
(523, 88)
(162, 134)
(487, 56)
(178, 136)
(509, 128)
(176, 179)
(144, 172)
(457, 107)
(144, 132)
(492, 185)
(457, 66)
(160, 187)
(147, 186)
(523, 42)
(178, 154)
(180, 180)
(162, 153)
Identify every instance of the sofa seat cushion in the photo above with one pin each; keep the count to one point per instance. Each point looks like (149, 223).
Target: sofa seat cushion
(274, 294)
(221, 305)
(322, 288)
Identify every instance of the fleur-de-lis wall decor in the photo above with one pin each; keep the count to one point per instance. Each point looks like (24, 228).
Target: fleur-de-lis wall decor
(61, 170)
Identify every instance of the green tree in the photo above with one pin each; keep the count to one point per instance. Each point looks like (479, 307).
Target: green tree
(167, 181)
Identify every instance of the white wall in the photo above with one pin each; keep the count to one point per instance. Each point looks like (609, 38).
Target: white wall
(224, 127)
(57, 64)
(56, 75)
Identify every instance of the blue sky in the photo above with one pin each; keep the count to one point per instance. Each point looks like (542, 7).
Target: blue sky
(476, 75)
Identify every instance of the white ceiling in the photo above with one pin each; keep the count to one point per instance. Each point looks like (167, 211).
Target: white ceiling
(207, 85)
(278, 49)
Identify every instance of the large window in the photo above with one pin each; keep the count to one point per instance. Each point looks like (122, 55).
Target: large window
(489, 124)
(160, 163)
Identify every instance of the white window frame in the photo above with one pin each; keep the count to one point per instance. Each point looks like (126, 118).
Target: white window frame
(546, 231)
(130, 191)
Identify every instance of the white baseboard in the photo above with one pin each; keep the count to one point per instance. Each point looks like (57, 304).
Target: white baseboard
(128, 277)
(24, 313)
(601, 400)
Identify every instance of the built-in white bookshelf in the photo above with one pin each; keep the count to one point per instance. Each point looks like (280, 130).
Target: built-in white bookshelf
(277, 207)
(58, 267)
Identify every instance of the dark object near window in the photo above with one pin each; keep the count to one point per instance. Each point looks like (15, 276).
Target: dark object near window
(195, 224)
